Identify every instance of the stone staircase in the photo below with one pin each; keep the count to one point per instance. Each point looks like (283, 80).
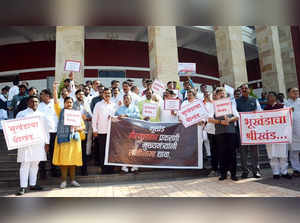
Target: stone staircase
(9, 172)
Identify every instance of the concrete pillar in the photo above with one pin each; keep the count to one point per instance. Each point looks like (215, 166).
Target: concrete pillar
(288, 57)
(50, 81)
(163, 54)
(69, 46)
(231, 55)
(267, 39)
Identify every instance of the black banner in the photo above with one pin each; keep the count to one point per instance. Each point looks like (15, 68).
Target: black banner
(139, 143)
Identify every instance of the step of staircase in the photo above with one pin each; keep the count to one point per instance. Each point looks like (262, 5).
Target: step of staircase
(117, 177)
(9, 171)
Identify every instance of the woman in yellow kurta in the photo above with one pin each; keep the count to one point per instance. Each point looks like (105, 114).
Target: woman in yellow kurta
(67, 148)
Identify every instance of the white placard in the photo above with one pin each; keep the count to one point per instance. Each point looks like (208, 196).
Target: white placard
(229, 90)
(258, 92)
(266, 127)
(176, 91)
(23, 132)
(158, 87)
(172, 104)
(72, 117)
(150, 110)
(186, 68)
(72, 65)
(222, 107)
(193, 113)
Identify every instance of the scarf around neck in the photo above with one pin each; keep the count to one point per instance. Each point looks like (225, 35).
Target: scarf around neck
(63, 131)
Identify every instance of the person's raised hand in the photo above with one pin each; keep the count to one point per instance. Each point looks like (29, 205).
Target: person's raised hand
(71, 75)
(55, 84)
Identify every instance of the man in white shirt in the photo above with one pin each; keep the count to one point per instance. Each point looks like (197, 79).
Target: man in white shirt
(94, 89)
(13, 90)
(126, 91)
(70, 86)
(169, 116)
(294, 103)
(3, 97)
(64, 93)
(30, 156)
(47, 108)
(87, 97)
(136, 93)
(144, 86)
(4, 93)
(203, 89)
(87, 100)
(115, 83)
(191, 97)
(209, 135)
(155, 97)
(102, 114)
(115, 95)
(3, 116)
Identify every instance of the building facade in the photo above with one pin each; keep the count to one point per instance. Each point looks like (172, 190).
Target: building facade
(231, 55)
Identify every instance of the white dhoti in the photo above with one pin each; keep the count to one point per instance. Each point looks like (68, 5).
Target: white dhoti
(278, 154)
(30, 156)
(28, 170)
(200, 144)
(294, 157)
(295, 146)
(89, 140)
(206, 143)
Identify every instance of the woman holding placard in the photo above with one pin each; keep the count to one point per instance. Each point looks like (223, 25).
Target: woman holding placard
(67, 148)
(225, 138)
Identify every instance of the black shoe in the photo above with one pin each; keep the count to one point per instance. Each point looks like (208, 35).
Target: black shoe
(256, 175)
(287, 176)
(43, 175)
(234, 178)
(244, 175)
(36, 188)
(21, 192)
(276, 177)
(55, 174)
(84, 173)
(296, 173)
(223, 177)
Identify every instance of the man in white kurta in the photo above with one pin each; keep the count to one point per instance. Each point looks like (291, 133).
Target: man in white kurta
(209, 135)
(191, 97)
(294, 103)
(169, 116)
(277, 153)
(30, 156)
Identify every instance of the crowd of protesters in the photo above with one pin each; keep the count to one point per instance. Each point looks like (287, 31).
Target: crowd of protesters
(68, 146)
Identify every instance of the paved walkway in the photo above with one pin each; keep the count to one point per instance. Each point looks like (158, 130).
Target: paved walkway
(196, 187)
